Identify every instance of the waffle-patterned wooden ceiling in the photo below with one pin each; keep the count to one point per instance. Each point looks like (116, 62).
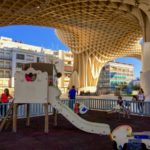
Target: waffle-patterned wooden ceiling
(104, 28)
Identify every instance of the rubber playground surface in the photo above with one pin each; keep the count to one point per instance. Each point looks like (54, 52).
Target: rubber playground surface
(65, 136)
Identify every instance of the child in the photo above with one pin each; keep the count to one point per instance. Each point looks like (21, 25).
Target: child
(120, 101)
(118, 107)
(121, 108)
(4, 100)
(76, 108)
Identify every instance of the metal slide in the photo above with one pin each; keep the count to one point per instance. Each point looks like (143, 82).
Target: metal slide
(76, 120)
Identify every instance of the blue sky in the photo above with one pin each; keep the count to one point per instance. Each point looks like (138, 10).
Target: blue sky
(45, 37)
(34, 35)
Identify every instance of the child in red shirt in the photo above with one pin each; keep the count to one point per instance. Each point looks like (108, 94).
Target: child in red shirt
(4, 99)
(76, 108)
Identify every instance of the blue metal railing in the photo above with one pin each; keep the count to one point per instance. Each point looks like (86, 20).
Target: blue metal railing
(35, 110)
(93, 104)
(135, 107)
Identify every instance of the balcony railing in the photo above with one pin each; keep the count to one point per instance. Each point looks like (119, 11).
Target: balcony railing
(5, 57)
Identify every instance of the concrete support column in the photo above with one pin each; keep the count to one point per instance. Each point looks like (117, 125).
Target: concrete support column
(87, 68)
(13, 69)
(145, 74)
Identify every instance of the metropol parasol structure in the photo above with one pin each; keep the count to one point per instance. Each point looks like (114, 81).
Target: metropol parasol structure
(96, 31)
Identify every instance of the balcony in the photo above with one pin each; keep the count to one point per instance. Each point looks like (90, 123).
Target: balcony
(5, 66)
(5, 57)
(5, 77)
(30, 59)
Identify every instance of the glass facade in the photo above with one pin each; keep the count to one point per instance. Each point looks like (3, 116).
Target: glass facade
(115, 75)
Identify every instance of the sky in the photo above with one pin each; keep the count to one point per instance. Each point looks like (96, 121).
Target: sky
(46, 37)
(34, 35)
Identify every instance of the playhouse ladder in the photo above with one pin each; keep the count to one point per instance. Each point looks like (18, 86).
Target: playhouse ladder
(6, 120)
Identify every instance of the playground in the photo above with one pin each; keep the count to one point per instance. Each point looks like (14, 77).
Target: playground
(65, 136)
(64, 129)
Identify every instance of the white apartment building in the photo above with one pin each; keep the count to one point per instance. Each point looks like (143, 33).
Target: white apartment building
(13, 54)
(67, 58)
(115, 75)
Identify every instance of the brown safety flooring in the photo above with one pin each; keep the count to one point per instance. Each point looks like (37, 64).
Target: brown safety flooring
(65, 136)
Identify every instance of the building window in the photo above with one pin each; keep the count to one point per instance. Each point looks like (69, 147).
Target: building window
(30, 58)
(42, 59)
(1, 54)
(7, 74)
(69, 62)
(1, 73)
(4, 83)
(7, 56)
(19, 65)
(1, 64)
(38, 59)
(55, 53)
(20, 56)
(7, 65)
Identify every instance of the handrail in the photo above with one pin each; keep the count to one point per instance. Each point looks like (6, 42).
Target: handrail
(93, 104)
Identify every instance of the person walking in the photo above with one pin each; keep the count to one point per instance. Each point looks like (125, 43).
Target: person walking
(72, 96)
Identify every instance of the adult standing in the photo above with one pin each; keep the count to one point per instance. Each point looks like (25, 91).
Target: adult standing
(4, 100)
(72, 96)
(141, 99)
